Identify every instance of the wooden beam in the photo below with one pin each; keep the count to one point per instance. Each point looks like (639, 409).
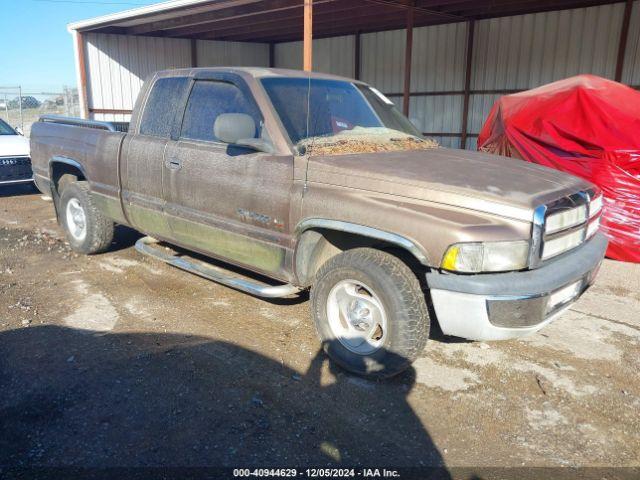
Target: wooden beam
(356, 56)
(471, 27)
(82, 67)
(624, 35)
(408, 51)
(307, 54)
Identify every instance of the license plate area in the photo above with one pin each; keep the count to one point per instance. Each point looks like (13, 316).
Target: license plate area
(564, 296)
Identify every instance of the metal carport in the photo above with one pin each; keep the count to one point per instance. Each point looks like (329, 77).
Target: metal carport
(444, 61)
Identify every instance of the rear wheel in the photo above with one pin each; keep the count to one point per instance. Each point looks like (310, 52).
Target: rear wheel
(88, 230)
(370, 312)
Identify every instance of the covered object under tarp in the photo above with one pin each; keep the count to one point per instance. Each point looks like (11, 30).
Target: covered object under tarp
(587, 126)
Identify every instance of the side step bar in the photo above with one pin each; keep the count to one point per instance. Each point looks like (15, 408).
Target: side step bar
(149, 246)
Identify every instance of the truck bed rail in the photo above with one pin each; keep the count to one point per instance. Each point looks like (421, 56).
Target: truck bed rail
(81, 122)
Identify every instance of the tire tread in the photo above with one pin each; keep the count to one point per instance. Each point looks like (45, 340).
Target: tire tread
(415, 315)
(100, 229)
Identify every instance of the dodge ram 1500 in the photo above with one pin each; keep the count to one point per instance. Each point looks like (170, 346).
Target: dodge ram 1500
(318, 182)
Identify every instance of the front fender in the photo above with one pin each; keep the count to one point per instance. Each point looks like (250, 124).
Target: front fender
(424, 228)
(363, 231)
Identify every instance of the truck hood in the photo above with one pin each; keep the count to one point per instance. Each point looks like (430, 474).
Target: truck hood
(13, 146)
(478, 181)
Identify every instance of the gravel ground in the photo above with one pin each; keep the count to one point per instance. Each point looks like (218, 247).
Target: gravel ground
(119, 360)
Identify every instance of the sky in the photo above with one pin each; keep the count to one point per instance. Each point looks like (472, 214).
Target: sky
(37, 49)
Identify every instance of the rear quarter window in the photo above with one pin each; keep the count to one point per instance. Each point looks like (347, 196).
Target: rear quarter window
(166, 97)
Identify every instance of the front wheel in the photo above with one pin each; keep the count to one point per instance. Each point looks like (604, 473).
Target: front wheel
(370, 312)
(88, 230)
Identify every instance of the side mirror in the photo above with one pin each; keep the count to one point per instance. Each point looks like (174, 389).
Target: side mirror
(231, 127)
(19, 131)
(239, 129)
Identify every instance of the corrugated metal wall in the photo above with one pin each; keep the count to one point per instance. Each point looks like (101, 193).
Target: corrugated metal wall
(518, 52)
(631, 71)
(334, 55)
(382, 60)
(117, 65)
(438, 63)
(527, 51)
(237, 54)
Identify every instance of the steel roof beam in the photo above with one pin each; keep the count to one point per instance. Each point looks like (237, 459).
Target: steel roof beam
(274, 18)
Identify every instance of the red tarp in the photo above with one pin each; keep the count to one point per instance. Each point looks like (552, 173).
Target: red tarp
(587, 126)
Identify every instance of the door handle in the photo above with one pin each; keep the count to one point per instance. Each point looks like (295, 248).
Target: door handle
(174, 164)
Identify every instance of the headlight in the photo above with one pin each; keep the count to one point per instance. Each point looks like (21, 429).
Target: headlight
(595, 206)
(561, 244)
(486, 257)
(593, 227)
(565, 219)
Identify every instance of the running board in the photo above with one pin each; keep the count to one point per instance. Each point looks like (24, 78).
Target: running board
(149, 246)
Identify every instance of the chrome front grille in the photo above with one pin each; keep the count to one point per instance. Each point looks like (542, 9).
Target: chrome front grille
(563, 225)
(563, 241)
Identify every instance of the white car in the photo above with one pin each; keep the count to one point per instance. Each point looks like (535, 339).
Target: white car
(15, 159)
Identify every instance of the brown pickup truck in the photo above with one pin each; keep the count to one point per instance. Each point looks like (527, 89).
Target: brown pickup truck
(316, 181)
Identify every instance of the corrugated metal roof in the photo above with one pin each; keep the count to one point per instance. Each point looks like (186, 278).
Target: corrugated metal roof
(281, 20)
(145, 11)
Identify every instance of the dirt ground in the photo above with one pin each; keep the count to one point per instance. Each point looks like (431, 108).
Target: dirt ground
(120, 360)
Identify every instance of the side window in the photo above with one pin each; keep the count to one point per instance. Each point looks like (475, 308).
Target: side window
(209, 99)
(160, 110)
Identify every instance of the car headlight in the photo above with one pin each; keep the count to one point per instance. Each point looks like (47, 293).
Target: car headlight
(595, 206)
(486, 257)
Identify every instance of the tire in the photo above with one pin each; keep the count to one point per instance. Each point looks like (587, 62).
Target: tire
(98, 230)
(376, 278)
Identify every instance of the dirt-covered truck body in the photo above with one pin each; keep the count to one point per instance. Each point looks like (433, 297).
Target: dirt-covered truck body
(317, 181)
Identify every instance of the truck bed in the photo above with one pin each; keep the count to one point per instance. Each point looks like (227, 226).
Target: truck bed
(81, 122)
(93, 145)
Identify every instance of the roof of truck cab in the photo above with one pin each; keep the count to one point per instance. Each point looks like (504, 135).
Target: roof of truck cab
(256, 72)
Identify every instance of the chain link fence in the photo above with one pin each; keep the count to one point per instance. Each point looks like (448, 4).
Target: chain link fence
(20, 107)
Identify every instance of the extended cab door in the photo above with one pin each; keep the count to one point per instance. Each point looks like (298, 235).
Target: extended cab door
(229, 202)
(143, 156)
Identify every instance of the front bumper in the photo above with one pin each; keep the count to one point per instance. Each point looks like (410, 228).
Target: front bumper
(508, 305)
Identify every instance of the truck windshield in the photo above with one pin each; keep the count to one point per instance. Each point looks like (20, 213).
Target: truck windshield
(5, 129)
(334, 116)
